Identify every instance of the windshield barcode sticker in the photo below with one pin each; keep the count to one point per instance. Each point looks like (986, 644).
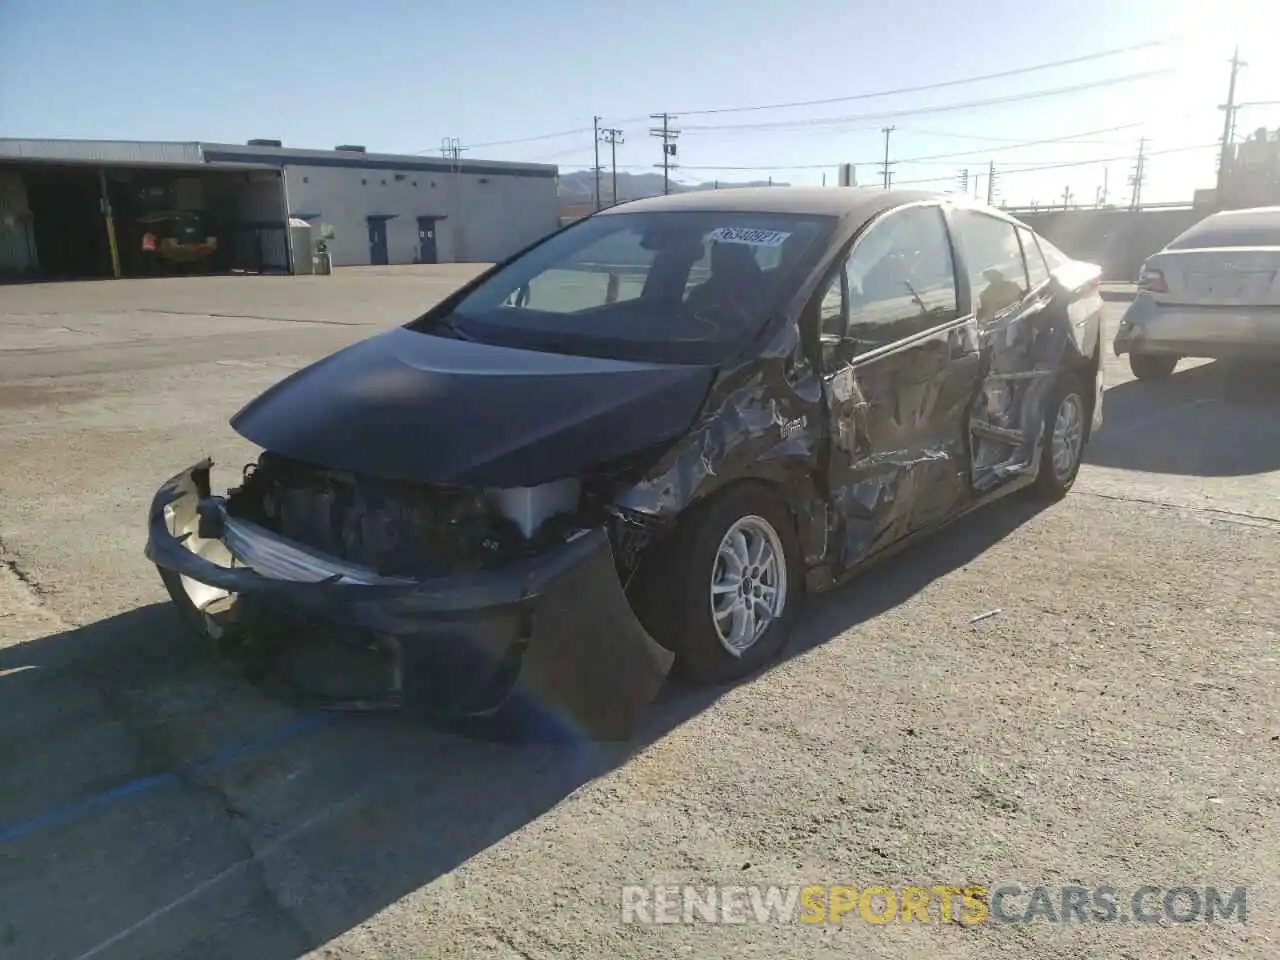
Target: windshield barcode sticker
(747, 235)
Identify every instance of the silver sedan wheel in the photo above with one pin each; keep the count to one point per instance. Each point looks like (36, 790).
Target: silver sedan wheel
(1068, 435)
(748, 583)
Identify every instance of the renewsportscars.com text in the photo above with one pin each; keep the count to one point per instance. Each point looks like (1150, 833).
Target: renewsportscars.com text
(968, 904)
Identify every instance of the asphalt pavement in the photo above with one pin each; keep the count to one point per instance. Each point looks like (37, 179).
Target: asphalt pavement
(1084, 694)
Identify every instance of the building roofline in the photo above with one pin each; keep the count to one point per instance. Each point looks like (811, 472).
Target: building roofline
(200, 155)
(294, 156)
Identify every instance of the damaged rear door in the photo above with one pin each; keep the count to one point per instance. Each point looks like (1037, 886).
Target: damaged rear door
(901, 366)
(1020, 349)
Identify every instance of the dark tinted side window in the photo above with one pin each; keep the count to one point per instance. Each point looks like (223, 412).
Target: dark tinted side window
(997, 275)
(900, 278)
(1037, 269)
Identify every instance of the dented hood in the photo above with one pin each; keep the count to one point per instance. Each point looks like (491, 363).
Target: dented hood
(411, 406)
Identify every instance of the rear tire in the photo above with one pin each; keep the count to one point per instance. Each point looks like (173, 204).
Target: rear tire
(1065, 428)
(686, 579)
(1152, 366)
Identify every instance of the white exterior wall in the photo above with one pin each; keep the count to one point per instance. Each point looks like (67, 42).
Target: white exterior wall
(477, 221)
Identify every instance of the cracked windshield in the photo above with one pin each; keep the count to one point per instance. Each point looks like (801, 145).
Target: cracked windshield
(447, 512)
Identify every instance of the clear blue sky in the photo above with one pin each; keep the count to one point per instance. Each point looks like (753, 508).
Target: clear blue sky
(398, 76)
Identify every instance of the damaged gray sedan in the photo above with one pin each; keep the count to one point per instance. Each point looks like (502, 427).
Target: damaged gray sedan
(637, 445)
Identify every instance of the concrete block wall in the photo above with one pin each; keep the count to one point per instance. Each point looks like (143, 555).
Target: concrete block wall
(1119, 240)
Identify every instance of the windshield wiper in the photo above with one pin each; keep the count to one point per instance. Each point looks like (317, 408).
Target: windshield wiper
(454, 328)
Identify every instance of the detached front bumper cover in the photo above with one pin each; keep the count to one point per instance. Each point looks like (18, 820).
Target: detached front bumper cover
(559, 623)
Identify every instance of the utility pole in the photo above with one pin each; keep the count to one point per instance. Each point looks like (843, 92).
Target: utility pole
(595, 124)
(668, 136)
(888, 177)
(1228, 123)
(1066, 197)
(612, 136)
(451, 149)
(991, 183)
(1139, 173)
(1106, 177)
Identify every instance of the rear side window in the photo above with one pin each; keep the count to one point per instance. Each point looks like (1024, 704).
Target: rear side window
(1052, 255)
(993, 257)
(1260, 229)
(1037, 268)
(900, 278)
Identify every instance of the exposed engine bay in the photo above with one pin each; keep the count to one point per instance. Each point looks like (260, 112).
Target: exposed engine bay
(421, 531)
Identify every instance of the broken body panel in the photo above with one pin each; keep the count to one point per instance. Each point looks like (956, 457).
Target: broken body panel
(554, 631)
(866, 457)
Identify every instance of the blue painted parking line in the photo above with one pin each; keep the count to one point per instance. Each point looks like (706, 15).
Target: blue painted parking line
(219, 760)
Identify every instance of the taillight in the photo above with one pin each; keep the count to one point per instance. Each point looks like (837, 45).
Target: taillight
(1152, 281)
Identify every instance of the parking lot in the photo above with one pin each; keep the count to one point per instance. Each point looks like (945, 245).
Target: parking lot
(1116, 722)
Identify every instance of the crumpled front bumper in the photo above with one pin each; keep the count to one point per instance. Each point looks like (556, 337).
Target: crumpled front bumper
(559, 625)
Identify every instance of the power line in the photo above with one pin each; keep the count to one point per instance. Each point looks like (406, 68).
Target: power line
(939, 108)
(542, 136)
(939, 179)
(595, 167)
(1138, 175)
(938, 85)
(668, 136)
(613, 136)
(1017, 140)
(888, 174)
(1228, 122)
(1010, 145)
(1018, 145)
(1005, 171)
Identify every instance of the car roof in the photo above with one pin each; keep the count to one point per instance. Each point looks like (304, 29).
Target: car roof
(1250, 216)
(852, 202)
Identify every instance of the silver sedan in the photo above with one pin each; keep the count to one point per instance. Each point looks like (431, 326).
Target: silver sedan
(1214, 292)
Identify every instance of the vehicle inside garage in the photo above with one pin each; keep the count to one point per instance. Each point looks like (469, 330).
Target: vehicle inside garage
(76, 221)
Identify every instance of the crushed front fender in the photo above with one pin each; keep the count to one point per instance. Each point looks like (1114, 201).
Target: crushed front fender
(553, 632)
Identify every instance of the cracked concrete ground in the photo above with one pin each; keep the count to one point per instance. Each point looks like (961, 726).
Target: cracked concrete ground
(1116, 723)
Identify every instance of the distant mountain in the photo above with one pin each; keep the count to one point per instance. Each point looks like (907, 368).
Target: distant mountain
(579, 186)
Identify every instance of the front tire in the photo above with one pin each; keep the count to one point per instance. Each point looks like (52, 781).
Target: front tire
(722, 591)
(1152, 366)
(1065, 423)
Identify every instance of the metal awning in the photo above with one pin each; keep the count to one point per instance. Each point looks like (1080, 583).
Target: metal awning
(137, 165)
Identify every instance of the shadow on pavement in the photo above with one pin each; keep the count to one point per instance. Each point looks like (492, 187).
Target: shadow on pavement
(152, 803)
(1213, 420)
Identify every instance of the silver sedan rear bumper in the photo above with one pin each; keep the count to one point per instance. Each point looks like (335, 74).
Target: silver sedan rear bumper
(1198, 331)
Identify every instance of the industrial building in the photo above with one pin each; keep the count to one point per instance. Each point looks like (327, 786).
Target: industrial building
(111, 208)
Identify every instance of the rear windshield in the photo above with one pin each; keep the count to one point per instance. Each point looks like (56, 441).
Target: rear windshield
(679, 286)
(1232, 230)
